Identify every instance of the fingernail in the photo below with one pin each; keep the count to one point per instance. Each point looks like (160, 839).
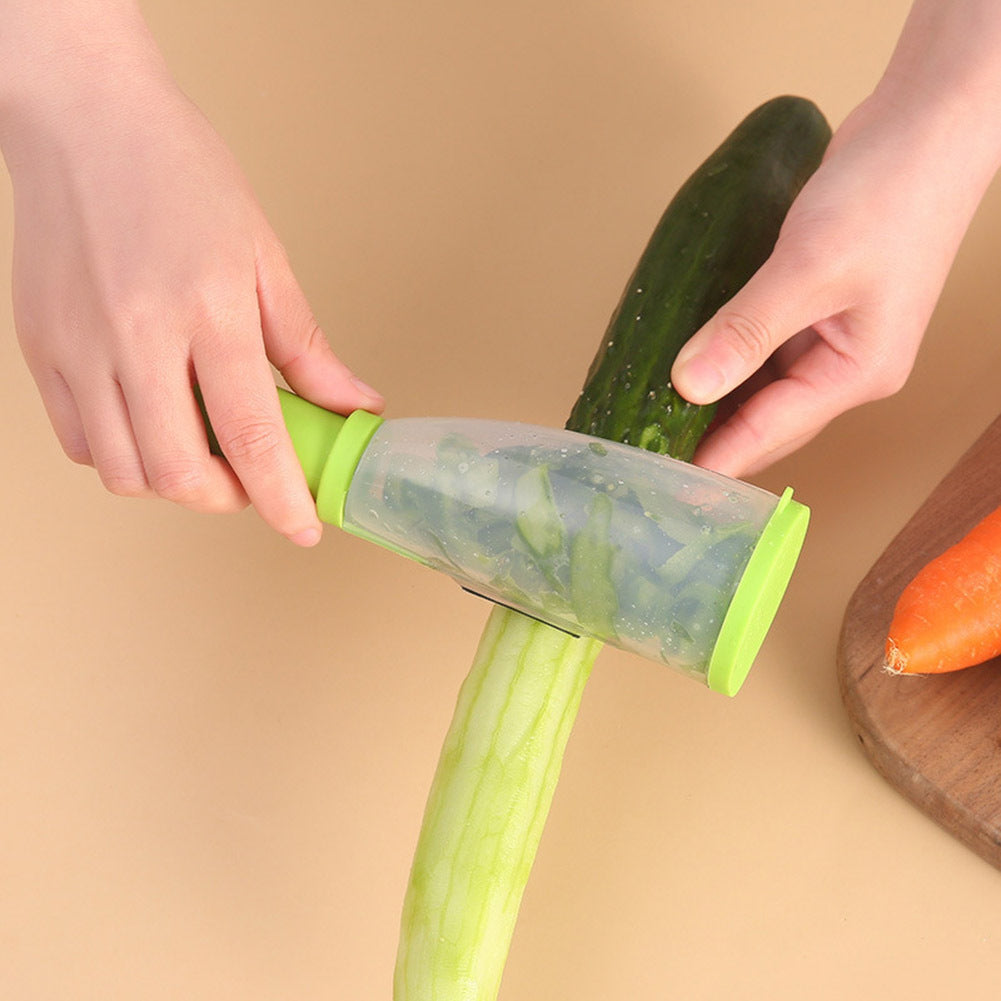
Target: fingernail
(699, 380)
(366, 390)
(307, 537)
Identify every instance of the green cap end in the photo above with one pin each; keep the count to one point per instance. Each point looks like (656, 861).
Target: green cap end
(313, 431)
(758, 595)
(328, 447)
(357, 432)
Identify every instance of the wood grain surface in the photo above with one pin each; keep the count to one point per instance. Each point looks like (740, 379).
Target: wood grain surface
(937, 740)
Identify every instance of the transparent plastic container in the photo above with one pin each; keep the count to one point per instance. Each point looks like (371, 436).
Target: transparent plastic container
(650, 554)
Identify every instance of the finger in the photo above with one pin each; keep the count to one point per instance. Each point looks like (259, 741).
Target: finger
(64, 416)
(242, 405)
(173, 444)
(736, 342)
(748, 442)
(784, 415)
(297, 346)
(107, 428)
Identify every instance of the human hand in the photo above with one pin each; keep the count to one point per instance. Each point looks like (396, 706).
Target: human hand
(143, 265)
(835, 316)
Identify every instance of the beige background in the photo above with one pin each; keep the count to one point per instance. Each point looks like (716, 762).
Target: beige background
(214, 748)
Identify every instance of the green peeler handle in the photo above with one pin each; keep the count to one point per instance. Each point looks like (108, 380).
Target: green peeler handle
(328, 445)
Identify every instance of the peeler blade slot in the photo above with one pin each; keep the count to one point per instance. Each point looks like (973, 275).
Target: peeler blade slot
(520, 611)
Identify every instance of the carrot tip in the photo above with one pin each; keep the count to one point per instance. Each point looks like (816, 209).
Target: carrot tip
(894, 660)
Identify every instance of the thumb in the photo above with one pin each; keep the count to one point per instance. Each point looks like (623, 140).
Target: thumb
(744, 333)
(298, 348)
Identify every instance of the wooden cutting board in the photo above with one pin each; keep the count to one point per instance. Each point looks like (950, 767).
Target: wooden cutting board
(937, 740)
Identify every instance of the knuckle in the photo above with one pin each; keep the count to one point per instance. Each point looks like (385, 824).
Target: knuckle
(312, 343)
(889, 380)
(123, 479)
(131, 317)
(215, 306)
(314, 339)
(77, 450)
(878, 374)
(308, 340)
(211, 322)
(274, 253)
(248, 442)
(182, 481)
(747, 334)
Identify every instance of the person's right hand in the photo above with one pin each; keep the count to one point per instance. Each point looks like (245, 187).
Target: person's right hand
(143, 265)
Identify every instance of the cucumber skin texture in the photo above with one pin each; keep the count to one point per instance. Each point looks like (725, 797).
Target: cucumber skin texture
(719, 228)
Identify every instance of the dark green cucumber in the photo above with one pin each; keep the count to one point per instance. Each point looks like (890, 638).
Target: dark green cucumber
(717, 231)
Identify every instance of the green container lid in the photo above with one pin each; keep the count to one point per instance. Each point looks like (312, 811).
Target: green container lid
(758, 595)
(329, 447)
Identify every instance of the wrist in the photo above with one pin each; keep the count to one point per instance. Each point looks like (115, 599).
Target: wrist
(63, 69)
(941, 90)
(950, 136)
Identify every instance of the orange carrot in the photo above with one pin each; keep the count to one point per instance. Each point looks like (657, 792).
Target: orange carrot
(949, 616)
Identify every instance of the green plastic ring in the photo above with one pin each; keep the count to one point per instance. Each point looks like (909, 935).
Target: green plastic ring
(758, 596)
